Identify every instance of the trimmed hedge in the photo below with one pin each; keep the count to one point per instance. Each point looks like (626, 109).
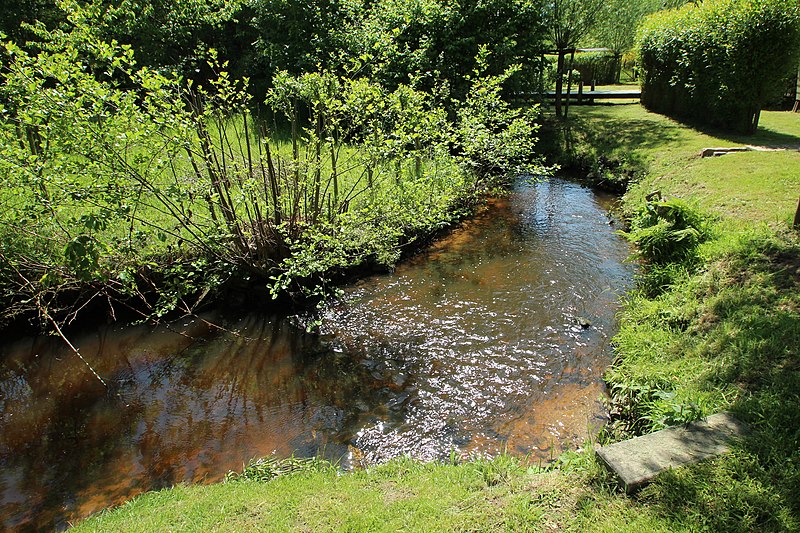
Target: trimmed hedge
(602, 67)
(720, 62)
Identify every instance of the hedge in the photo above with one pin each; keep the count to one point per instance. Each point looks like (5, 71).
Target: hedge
(602, 67)
(720, 62)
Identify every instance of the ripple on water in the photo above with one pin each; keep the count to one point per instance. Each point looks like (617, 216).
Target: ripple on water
(495, 338)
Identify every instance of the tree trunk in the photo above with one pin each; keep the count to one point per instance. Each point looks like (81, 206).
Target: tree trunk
(796, 224)
(569, 82)
(559, 80)
(754, 122)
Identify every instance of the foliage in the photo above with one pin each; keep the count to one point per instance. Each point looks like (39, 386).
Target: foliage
(721, 61)
(618, 22)
(569, 22)
(16, 15)
(494, 138)
(176, 35)
(667, 231)
(600, 67)
(432, 43)
(402, 141)
(616, 30)
(124, 177)
(297, 36)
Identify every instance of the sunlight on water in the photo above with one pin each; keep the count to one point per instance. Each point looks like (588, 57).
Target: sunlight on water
(491, 324)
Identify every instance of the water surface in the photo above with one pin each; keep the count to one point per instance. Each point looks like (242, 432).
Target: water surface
(493, 339)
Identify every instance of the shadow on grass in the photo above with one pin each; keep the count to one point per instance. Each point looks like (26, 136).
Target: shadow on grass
(765, 136)
(614, 133)
(755, 343)
(598, 138)
(610, 148)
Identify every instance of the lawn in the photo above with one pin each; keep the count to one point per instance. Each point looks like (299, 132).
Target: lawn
(745, 188)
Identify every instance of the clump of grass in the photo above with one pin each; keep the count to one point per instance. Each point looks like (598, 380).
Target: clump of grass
(668, 231)
(268, 468)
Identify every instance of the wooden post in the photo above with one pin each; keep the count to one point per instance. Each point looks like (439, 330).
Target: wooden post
(796, 224)
(580, 91)
(796, 107)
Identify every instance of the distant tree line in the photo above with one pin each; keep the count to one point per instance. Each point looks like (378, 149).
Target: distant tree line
(426, 43)
(422, 42)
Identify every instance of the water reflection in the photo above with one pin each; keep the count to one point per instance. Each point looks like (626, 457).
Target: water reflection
(178, 410)
(477, 345)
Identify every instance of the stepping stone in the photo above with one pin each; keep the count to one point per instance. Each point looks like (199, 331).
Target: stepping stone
(638, 461)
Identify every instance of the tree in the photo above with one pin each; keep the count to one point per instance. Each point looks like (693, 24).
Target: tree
(300, 36)
(719, 62)
(15, 12)
(570, 22)
(430, 42)
(175, 34)
(617, 24)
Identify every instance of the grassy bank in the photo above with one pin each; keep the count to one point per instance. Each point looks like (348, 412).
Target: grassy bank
(497, 495)
(717, 328)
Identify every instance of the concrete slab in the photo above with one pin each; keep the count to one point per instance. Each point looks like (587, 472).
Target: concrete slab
(638, 461)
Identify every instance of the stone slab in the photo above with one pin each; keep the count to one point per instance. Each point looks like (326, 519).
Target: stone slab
(638, 461)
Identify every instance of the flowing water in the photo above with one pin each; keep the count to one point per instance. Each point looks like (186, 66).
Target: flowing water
(493, 339)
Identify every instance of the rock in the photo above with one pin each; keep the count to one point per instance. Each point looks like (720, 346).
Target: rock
(638, 461)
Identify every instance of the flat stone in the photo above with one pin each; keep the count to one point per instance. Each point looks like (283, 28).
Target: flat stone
(716, 152)
(638, 461)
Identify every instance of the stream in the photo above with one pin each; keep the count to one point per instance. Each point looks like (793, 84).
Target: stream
(493, 339)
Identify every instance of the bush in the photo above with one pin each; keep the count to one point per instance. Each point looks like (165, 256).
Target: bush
(668, 231)
(719, 62)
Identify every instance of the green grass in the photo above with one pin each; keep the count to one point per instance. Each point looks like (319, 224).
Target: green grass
(745, 188)
(723, 332)
(482, 495)
(403, 495)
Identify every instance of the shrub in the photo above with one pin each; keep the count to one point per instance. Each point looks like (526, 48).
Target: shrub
(719, 62)
(668, 231)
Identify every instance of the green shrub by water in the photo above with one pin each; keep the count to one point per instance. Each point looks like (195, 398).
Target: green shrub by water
(125, 183)
(667, 231)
